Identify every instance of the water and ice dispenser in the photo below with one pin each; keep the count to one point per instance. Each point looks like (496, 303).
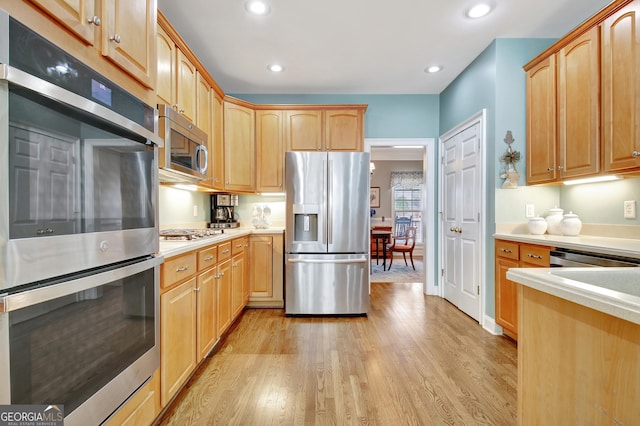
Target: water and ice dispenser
(305, 221)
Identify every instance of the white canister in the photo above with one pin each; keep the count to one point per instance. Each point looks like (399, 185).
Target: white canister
(571, 224)
(537, 225)
(553, 221)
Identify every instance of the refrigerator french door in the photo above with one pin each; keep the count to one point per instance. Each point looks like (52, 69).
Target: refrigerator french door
(327, 223)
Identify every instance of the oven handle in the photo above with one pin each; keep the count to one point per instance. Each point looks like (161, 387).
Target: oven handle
(58, 94)
(13, 302)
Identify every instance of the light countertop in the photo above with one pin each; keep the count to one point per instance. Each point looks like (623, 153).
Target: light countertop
(170, 248)
(614, 291)
(627, 247)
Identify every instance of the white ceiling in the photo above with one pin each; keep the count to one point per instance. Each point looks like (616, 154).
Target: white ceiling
(357, 46)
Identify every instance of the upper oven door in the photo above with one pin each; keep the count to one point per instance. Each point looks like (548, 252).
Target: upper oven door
(80, 183)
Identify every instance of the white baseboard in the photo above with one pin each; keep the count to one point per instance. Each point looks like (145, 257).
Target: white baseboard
(491, 326)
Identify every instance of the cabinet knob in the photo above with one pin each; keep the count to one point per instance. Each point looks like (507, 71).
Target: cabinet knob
(196, 289)
(560, 167)
(534, 256)
(550, 169)
(506, 251)
(182, 269)
(95, 21)
(115, 37)
(635, 154)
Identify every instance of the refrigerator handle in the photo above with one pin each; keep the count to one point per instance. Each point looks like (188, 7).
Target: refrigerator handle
(330, 201)
(331, 261)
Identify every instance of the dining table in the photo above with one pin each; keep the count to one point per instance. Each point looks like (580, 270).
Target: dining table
(385, 237)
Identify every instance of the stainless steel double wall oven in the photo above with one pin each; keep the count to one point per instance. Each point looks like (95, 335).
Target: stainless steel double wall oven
(78, 232)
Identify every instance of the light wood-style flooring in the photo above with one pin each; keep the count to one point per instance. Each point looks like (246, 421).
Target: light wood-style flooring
(414, 360)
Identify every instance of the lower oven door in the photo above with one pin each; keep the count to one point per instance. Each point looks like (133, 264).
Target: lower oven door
(87, 343)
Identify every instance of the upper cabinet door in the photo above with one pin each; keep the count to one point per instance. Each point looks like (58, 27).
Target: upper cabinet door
(621, 89)
(343, 130)
(239, 147)
(128, 37)
(269, 151)
(216, 155)
(303, 130)
(166, 80)
(579, 106)
(76, 15)
(541, 122)
(186, 88)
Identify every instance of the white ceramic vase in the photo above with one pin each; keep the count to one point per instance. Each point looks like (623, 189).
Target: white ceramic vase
(537, 225)
(571, 224)
(554, 218)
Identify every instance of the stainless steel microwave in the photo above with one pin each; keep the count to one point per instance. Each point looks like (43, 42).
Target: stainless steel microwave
(185, 157)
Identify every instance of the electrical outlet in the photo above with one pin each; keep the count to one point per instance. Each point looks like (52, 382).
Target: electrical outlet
(630, 209)
(529, 210)
(195, 210)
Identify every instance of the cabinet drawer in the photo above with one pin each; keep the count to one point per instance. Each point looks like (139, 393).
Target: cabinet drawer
(507, 249)
(207, 258)
(224, 251)
(177, 269)
(238, 245)
(535, 255)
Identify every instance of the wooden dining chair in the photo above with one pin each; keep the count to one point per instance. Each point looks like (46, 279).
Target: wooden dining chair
(404, 244)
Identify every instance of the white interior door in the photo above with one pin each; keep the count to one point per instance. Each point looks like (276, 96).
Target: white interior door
(460, 220)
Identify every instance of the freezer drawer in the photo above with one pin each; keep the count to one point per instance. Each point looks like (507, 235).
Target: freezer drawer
(327, 284)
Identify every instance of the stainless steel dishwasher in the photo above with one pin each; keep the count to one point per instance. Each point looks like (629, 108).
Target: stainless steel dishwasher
(562, 258)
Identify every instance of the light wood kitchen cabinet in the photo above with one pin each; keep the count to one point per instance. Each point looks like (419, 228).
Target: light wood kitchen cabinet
(166, 68)
(563, 111)
(269, 151)
(129, 37)
(343, 130)
(239, 147)
(178, 354)
(576, 365)
(216, 154)
(238, 275)
(325, 129)
(621, 89)
(579, 107)
(585, 85)
(303, 130)
(142, 408)
(541, 122)
(509, 254)
(122, 31)
(186, 95)
(75, 15)
(266, 270)
(224, 295)
(206, 302)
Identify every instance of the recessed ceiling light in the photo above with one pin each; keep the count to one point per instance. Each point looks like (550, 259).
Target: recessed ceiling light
(275, 68)
(257, 7)
(433, 69)
(479, 10)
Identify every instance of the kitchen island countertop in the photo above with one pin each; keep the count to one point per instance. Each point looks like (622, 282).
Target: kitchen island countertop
(170, 248)
(613, 291)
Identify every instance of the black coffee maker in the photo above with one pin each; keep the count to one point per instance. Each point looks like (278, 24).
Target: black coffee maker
(222, 211)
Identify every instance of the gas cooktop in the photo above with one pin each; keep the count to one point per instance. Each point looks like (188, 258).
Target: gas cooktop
(189, 234)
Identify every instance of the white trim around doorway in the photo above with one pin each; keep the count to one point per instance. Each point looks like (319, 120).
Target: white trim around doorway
(429, 224)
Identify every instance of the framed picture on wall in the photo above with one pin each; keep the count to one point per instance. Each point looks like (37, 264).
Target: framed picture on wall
(374, 197)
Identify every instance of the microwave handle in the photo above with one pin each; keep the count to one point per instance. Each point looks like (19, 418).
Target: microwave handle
(58, 94)
(202, 149)
(13, 302)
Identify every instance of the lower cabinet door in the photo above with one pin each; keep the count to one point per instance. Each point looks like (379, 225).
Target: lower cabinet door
(506, 297)
(177, 337)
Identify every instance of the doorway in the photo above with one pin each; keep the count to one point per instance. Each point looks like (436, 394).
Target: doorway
(426, 152)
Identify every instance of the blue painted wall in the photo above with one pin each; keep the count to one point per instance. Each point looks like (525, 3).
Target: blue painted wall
(387, 116)
(494, 81)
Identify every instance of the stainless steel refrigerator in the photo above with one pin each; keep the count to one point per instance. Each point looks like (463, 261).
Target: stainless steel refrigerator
(327, 233)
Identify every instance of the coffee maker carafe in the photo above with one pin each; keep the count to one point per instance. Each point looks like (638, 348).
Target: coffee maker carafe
(222, 214)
